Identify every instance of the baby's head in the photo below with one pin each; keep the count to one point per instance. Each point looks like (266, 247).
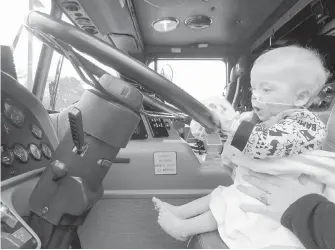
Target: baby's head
(286, 78)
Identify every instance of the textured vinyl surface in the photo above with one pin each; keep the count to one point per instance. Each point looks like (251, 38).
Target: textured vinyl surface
(126, 223)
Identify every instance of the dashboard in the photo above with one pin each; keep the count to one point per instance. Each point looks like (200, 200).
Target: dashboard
(25, 146)
(28, 143)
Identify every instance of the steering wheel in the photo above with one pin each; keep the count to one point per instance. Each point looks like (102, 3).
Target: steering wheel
(123, 63)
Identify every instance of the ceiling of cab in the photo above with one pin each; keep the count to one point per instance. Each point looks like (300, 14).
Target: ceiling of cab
(128, 24)
(233, 21)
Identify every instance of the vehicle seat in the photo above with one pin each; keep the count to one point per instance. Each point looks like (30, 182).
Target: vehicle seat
(213, 240)
(242, 95)
(329, 144)
(231, 89)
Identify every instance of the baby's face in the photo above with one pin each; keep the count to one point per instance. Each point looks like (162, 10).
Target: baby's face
(269, 88)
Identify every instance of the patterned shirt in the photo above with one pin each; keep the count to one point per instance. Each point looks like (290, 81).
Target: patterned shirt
(295, 133)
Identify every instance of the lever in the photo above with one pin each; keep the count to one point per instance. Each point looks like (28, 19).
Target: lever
(77, 130)
(59, 170)
(7, 217)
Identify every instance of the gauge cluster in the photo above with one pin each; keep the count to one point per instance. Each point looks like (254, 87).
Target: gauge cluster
(24, 147)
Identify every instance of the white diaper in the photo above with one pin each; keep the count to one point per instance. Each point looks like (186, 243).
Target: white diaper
(248, 230)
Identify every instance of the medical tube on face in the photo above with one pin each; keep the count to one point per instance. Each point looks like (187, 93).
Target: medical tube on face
(258, 99)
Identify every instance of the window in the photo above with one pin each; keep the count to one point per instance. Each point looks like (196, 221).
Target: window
(200, 78)
(70, 86)
(27, 50)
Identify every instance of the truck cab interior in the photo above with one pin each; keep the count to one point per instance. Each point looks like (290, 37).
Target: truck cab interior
(98, 124)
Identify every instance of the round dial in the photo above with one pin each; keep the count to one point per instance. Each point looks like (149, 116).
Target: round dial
(35, 152)
(21, 153)
(46, 151)
(7, 108)
(14, 114)
(36, 131)
(7, 156)
(5, 129)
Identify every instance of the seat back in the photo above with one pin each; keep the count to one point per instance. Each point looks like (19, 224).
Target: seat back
(232, 85)
(243, 83)
(329, 144)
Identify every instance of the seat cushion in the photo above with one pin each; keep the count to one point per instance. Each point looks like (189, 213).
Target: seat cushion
(211, 240)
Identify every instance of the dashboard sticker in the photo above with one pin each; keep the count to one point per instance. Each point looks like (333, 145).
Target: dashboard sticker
(165, 163)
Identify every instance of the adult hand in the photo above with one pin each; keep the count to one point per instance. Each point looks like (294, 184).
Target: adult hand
(275, 193)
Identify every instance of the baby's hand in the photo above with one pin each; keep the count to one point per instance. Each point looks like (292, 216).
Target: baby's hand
(246, 116)
(223, 115)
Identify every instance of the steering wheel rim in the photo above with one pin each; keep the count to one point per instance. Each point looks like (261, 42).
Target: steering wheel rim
(123, 63)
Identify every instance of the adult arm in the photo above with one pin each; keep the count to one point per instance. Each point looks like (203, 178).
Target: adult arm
(312, 219)
(297, 205)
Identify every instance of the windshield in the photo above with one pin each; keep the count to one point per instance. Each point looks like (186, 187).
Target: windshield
(27, 49)
(201, 78)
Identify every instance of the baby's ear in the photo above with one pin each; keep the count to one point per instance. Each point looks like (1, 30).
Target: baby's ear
(302, 98)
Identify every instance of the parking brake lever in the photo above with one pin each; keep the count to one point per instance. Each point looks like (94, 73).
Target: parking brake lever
(77, 130)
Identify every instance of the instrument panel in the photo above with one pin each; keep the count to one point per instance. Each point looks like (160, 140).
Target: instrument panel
(24, 144)
(158, 127)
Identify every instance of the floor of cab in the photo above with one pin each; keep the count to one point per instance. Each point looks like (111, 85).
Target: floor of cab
(127, 223)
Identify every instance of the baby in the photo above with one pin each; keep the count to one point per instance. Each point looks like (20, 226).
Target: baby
(283, 81)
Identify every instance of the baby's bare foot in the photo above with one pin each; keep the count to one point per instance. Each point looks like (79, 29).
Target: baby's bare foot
(171, 224)
(159, 205)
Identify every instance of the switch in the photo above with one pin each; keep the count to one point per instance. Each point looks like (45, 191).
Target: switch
(105, 163)
(7, 217)
(9, 242)
(15, 240)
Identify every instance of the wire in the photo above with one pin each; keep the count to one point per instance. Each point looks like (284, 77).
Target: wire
(165, 8)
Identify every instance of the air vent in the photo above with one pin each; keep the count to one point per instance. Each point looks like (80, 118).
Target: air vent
(198, 22)
(90, 29)
(83, 21)
(71, 6)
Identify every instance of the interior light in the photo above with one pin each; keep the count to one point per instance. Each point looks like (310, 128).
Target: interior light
(165, 24)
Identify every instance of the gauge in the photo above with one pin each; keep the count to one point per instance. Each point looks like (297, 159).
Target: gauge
(21, 153)
(17, 117)
(7, 108)
(35, 152)
(14, 114)
(36, 131)
(7, 156)
(5, 129)
(46, 151)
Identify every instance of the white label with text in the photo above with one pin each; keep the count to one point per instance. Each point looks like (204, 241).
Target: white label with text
(165, 163)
